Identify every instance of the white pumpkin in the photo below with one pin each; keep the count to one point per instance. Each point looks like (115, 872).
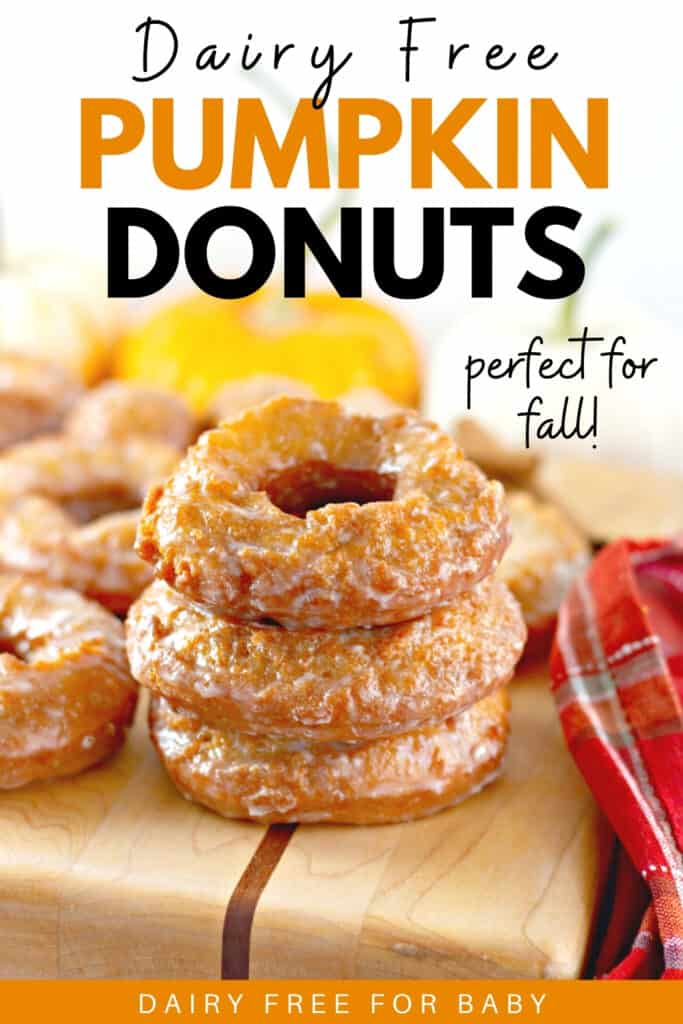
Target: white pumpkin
(54, 307)
(640, 421)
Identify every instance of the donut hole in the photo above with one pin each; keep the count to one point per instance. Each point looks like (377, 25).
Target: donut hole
(312, 485)
(8, 645)
(86, 508)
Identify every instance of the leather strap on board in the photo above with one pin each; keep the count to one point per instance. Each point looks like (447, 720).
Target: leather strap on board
(239, 914)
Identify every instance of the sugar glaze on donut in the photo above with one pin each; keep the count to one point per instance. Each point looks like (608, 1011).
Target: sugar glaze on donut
(303, 513)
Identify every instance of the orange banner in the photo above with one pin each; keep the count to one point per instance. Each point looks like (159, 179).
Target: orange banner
(119, 1002)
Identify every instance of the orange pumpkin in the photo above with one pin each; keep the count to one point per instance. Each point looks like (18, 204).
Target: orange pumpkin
(332, 344)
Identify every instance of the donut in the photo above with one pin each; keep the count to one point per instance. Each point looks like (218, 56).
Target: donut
(380, 781)
(302, 513)
(318, 685)
(66, 695)
(233, 398)
(85, 480)
(66, 514)
(546, 553)
(34, 398)
(116, 411)
(98, 559)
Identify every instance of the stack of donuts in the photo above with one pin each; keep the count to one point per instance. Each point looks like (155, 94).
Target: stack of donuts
(325, 639)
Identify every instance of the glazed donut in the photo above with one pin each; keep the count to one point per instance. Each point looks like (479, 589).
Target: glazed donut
(233, 398)
(320, 686)
(66, 695)
(117, 411)
(546, 553)
(302, 513)
(50, 488)
(34, 398)
(385, 780)
(85, 480)
(98, 559)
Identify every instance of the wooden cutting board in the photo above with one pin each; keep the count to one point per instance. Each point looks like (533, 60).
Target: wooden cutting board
(114, 875)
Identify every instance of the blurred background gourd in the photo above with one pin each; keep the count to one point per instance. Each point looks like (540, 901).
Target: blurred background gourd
(53, 306)
(196, 344)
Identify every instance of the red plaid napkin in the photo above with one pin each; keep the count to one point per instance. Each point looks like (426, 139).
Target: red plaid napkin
(617, 676)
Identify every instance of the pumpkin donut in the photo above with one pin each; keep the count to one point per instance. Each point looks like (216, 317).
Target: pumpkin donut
(233, 398)
(384, 780)
(300, 512)
(546, 553)
(59, 518)
(116, 411)
(318, 685)
(34, 398)
(66, 695)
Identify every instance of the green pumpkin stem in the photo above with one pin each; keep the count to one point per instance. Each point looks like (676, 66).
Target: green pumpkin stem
(567, 321)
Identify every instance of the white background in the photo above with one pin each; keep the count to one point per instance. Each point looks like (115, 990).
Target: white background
(55, 53)
(52, 54)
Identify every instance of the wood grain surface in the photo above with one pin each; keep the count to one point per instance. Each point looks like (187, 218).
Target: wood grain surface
(114, 875)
